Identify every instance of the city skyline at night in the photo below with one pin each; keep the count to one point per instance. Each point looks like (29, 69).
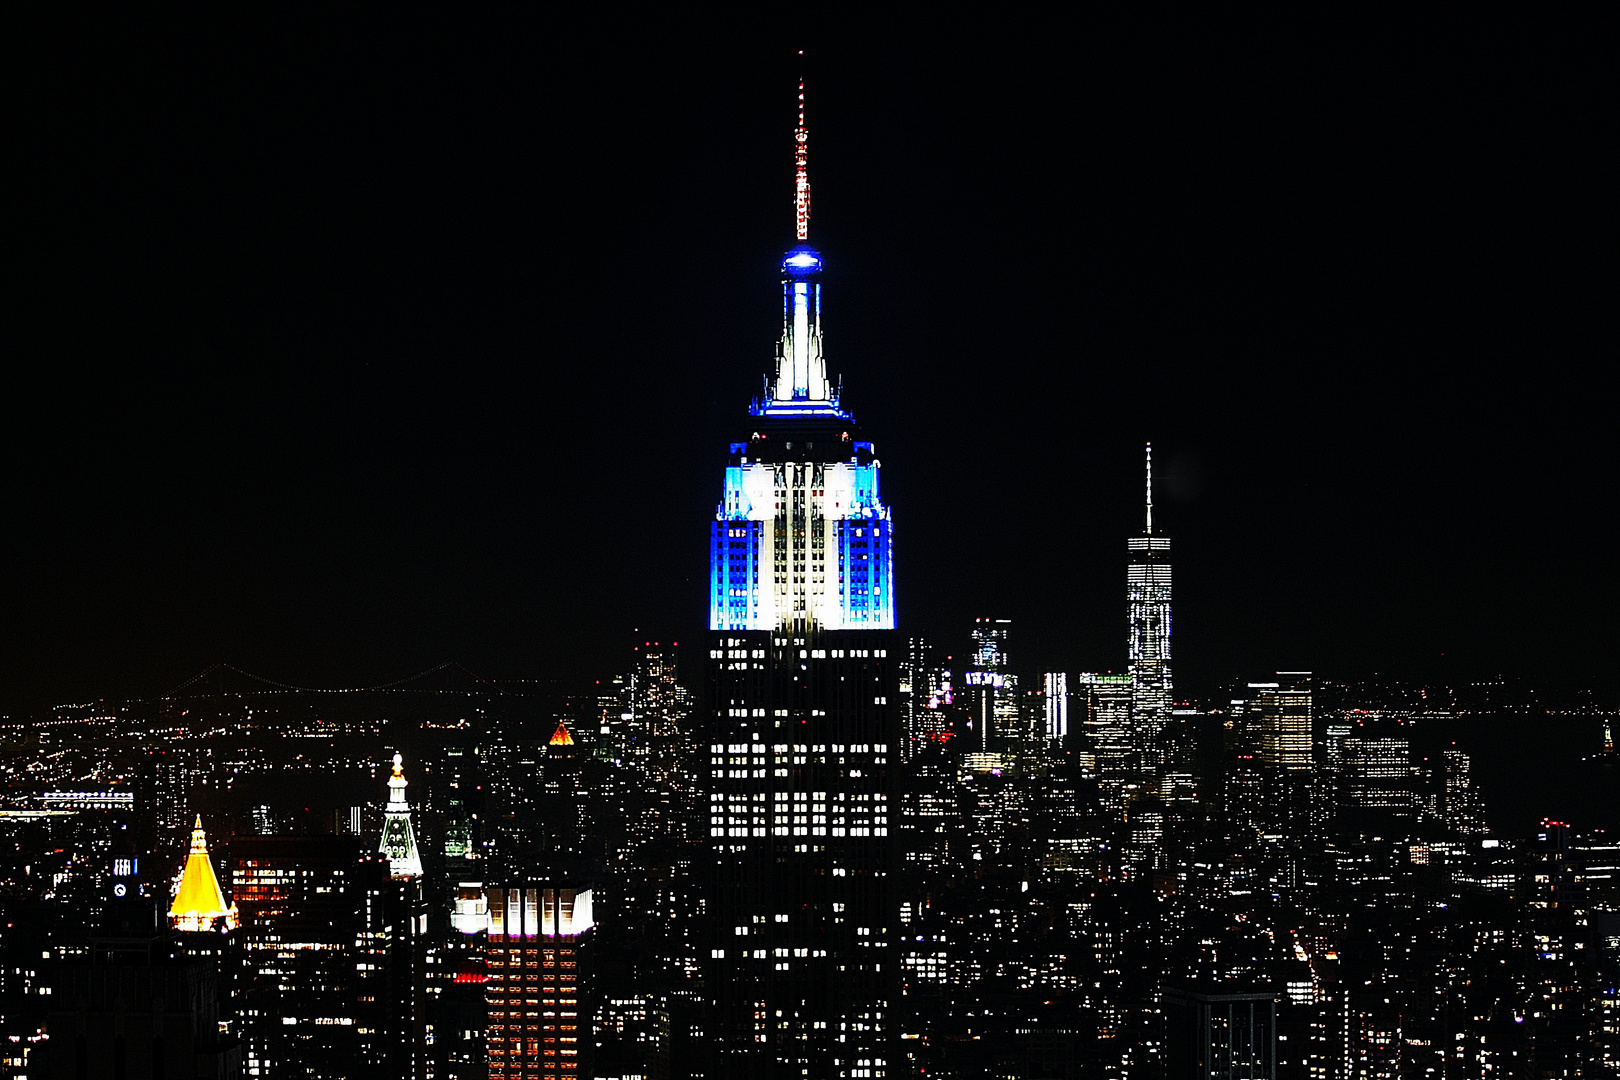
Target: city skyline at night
(399, 426)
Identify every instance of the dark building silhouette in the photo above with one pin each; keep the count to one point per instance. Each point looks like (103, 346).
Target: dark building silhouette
(134, 1005)
(1211, 1035)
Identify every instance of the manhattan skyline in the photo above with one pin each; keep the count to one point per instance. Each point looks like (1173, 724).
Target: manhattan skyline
(444, 494)
(346, 365)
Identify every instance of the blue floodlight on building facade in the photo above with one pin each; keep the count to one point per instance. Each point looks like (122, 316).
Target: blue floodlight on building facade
(801, 537)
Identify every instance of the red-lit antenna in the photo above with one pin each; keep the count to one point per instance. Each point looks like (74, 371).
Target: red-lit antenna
(801, 183)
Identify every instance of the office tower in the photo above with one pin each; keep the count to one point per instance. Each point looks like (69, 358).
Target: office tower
(915, 664)
(1107, 724)
(405, 1004)
(1147, 581)
(209, 931)
(398, 839)
(456, 1012)
(538, 989)
(802, 697)
(990, 689)
(460, 775)
(173, 771)
(1213, 1035)
(1056, 690)
(1461, 809)
(324, 991)
(1283, 711)
(1379, 774)
(925, 699)
(659, 703)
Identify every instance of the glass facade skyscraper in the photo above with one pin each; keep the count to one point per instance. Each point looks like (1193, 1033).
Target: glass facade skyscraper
(803, 700)
(1148, 595)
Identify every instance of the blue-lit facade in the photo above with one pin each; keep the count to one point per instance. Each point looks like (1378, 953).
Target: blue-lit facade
(801, 540)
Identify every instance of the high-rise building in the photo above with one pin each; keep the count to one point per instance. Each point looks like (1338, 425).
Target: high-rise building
(137, 1005)
(1379, 772)
(1284, 719)
(1107, 726)
(990, 689)
(803, 699)
(1461, 809)
(1056, 695)
(538, 991)
(1147, 581)
(398, 838)
(658, 701)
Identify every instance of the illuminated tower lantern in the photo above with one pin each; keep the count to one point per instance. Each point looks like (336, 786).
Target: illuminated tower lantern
(199, 904)
(1148, 587)
(398, 839)
(803, 700)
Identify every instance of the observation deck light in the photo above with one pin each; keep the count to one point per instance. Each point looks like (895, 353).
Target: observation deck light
(801, 260)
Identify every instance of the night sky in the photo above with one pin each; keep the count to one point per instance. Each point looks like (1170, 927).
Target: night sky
(350, 346)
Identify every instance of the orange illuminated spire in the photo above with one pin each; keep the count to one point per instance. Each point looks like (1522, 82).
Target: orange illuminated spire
(199, 902)
(560, 737)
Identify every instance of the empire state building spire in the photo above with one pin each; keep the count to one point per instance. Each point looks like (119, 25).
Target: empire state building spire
(801, 373)
(801, 158)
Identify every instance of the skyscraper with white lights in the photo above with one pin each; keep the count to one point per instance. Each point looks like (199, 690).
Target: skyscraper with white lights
(1147, 581)
(803, 700)
(398, 838)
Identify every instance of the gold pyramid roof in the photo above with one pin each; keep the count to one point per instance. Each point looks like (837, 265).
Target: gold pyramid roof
(199, 901)
(560, 737)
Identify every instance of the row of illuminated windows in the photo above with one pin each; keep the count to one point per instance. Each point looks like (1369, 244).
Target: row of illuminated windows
(818, 799)
(782, 771)
(548, 1000)
(759, 748)
(798, 830)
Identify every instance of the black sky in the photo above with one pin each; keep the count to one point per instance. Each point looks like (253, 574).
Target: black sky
(346, 347)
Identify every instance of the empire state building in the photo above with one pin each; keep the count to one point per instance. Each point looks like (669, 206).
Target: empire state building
(803, 677)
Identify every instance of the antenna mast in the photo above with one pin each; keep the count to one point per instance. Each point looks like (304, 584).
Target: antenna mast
(1150, 487)
(801, 183)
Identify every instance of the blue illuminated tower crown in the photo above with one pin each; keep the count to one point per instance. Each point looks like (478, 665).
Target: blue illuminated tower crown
(801, 539)
(801, 387)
